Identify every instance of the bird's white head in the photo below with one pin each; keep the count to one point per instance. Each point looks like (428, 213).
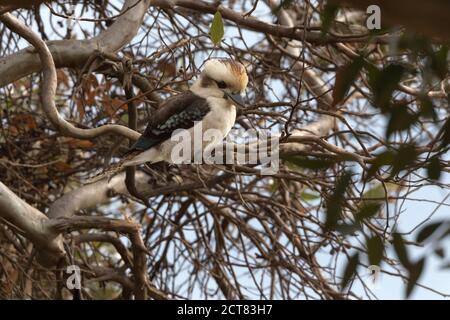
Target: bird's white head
(222, 78)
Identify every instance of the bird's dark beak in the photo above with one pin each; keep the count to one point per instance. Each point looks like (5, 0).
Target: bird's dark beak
(236, 98)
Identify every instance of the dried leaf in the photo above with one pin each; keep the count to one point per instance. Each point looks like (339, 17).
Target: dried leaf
(80, 108)
(62, 166)
(62, 78)
(80, 143)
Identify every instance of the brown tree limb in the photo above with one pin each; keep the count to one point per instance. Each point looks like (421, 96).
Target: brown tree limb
(32, 223)
(294, 32)
(74, 53)
(120, 248)
(48, 88)
(91, 195)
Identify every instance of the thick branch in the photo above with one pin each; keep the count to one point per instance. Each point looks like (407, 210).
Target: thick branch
(291, 32)
(124, 226)
(32, 223)
(74, 53)
(95, 194)
(48, 88)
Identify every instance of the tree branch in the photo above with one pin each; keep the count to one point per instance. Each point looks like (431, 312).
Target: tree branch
(74, 53)
(32, 223)
(48, 88)
(313, 83)
(94, 194)
(291, 32)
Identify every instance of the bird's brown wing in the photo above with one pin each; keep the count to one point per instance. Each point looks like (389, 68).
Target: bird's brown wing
(178, 112)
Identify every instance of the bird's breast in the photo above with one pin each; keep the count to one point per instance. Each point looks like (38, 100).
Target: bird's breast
(222, 116)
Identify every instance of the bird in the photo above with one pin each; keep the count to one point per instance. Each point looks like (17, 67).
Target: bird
(210, 103)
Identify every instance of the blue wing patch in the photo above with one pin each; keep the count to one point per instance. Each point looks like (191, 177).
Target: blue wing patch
(144, 143)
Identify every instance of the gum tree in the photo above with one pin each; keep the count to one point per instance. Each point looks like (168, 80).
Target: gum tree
(363, 122)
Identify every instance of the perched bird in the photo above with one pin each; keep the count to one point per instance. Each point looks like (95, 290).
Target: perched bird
(210, 103)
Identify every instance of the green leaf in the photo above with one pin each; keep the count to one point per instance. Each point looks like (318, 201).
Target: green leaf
(347, 229)
(124, 118)
(400, 119)
(349, 270)
(427, 108)
(439, 62)
(400, 250)
(415, 271)
(372, 201)
(375, 249)
(383, 83)
(367, 210)
(334, 202)
(376, 192)
(445, 139)
(328, 13)
(309, 196)
(345, 77)
(427, 231)
(382, 159)
(434, 168)
(217, 30)
(406, 155)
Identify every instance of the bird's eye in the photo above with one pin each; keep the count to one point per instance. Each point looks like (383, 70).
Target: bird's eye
(222, 84)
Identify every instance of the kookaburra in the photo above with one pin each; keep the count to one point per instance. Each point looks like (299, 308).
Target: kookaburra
(210, 103)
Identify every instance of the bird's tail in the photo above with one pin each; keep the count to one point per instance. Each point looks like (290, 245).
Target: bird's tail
(113, 169)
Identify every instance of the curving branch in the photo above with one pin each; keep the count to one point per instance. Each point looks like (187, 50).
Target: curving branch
(74, 53)
(100, 192)
(30, 222)
(317, 129)
(95, 194)
(45, 231)
(48, 88)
